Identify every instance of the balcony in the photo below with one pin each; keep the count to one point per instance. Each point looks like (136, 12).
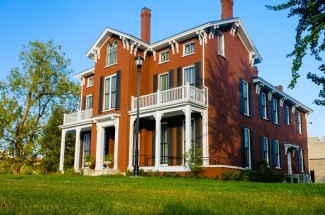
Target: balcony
(77, 116)
(178, 95)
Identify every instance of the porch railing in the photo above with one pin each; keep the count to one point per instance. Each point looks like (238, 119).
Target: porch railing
(186, 92)
(77, 116)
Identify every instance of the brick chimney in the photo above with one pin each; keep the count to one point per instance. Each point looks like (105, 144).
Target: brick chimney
(227, 9)
(145, 24)
(280, 87)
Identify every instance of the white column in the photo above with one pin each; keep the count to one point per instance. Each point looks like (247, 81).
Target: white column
(131, 142)
(62, 150)
(205, 146)
(100, 147)
(187, 130)
(77, 150)
(117, 122)
(289, 162)
(158, 117)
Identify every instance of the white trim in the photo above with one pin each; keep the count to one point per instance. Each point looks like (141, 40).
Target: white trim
(184, 48)
(159, 82)
(221, 37)
(85, 73)
(163, 52)
(110, 77)
(92, 102)
(88, 79)
(63, 135)
(77, 150)
(224, 166)
(183, 74)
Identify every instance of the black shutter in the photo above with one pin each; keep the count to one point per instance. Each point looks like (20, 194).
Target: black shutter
(252, 147)
(179, 144)
(260, 105)
(118, 90)
(280, 154)
(171, 78)
(279, 111)
(170, 145)
(262, 148)
(155, 83)
(197, 68)
(101, 89)
(250, 99)
(271, 147)
(241, 100)
(179, 77)
(83, 106)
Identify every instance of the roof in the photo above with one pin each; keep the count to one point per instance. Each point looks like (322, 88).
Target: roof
(288, 99)
(207, 28)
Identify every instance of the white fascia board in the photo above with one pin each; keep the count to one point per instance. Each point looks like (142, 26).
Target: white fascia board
(107, 33)
(85, 73)
(304, 108)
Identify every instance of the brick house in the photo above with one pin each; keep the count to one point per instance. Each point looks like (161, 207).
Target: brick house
(199, 86)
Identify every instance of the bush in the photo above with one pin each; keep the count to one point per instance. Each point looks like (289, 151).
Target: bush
(71, 171)
(232, 176)
(26, 169)
(5, 166)
(129, 172)
(149, 173)
(194, 158)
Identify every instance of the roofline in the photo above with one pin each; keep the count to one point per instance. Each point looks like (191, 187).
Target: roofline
(257, 80)
(85, 73)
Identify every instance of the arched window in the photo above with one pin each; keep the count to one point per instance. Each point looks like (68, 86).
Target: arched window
(111, 53)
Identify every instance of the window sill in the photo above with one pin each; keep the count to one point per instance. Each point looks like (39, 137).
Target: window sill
(89, 86)
(110, 65)
(188, 54)
(277, 167)
(163, 62)
(221, 55)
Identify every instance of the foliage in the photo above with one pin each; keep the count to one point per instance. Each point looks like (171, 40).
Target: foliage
(310, 33)
(6, 166)
(50, 143)
(109, 157)
(26, 169)
(232, 176)
(194, 158)
(70, 194)
(28, 95)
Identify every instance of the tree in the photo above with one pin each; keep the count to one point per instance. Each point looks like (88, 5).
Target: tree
(310, 33)
(28, 95)
(50, 142)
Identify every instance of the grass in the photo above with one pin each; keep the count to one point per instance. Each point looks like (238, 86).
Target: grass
(56, 194)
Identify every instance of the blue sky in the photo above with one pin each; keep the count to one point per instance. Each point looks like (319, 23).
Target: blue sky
(76, 24)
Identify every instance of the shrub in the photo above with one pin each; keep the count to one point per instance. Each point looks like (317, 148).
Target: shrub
(262, 173)
(149, 173)
(71, 171)
(129, 172)
(26, 169)
(194, 158)
(5, 166)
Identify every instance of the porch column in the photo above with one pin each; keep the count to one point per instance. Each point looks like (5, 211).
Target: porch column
(205, 147)
(100, 147)
(77, 150)
(131, 142)
(289, 162)
(158, 117)
(117, 122)
(187, 130)
(62, 150)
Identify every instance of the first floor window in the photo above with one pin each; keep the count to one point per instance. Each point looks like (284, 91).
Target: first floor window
(110, 92)
(301, 160)
(247, 147)
(86, 144)
(265, 149)
(276, 153)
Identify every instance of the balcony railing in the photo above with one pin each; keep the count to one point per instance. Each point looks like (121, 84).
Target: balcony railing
(178, 94)
(77, 116)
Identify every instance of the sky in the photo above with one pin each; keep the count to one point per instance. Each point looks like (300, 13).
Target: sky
(76, 25)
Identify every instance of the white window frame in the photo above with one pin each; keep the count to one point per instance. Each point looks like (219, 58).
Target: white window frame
(247, 140)
(110, 97)
(109, 55)
(247, 111)
(221, 43)
(277, 143)
(266, 147)
(190, 48)
(265, 105)
(90, 81)
(298, 123)
(159, 81)
(185, 68)
(276, 110)
(301, 167)
(161, 60)
(87, 101)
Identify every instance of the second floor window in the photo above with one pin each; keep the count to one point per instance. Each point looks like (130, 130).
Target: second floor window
(263, 106)
(245, 98)
(276, 154)
(247, 149)
(86, 144)
(189, 75)
(89, 102)
(90, 82)
(111, 53)
(286, 114)
(163, 82)
(188, 48)
(275, 111)
(265, 149)
(164, 56)
(110, 92)
(298, 123)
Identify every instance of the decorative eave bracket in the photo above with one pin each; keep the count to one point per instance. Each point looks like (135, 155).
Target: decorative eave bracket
(258, 88)
(213, 31)
(174, 45)
(202, 36)
(234, 29)
(96, 54)
(294, 108)
(270, 94)
(125, 42)
(282, 101)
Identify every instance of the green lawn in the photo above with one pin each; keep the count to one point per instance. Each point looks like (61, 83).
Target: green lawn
(58, 194)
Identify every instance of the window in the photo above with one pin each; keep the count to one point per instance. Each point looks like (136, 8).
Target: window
(188, 48)
(298, 123)
(263, 106)
(245, 98)
(110, 92)
(90, 81)
(247, 147)
(189, 75)
(276, 154)
(265, 149)
(111, 53)
(164, 144)
(164, 56)
(221, 47)
(163, 82)
(287, 115)
(274, 111)
(86, 144)
(89, 102)
(301, 160)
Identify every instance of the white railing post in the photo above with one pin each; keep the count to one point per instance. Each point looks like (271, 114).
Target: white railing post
(158, 97)
(79, 116)
(132, 102)
(64, 118)
(187, 90)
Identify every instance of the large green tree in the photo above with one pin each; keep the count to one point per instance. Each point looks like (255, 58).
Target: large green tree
(28, 95)
(310, 33)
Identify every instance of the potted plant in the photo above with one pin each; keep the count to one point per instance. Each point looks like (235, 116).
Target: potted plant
(108, 159)
(88, 161)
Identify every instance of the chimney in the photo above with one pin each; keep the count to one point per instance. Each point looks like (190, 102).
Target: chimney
(280, 87)
(227, 9)
(145, 24)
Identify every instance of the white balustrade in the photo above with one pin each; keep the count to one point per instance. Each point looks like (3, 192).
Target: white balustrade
(78, 116)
